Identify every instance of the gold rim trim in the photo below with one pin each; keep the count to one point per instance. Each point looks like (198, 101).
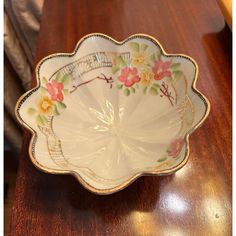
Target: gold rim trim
(133, 178)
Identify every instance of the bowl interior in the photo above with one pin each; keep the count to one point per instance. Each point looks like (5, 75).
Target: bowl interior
(110, 110)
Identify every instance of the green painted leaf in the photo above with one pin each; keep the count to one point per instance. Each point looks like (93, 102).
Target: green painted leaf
(66, 91)
(162, 159)
(169, 150)
(126, 92)
(31, 111)
(120, 61)
(44, 80)
(44, 119)
(114, 69)
(153, 58)
(177, 74)
(153, 91)
(65, 79)
(158, 55)
(143, 47)
(132, 89)
(145, 90)
(58, 76)
(61, 105)
(134, 46)
(169, 79)
(136, 85)
(175, 66)
(55, 112)
(156, 85)
(43, 89)
(119, 86)
(39, 120)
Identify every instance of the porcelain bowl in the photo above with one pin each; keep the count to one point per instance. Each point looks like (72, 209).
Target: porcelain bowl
(112, 111)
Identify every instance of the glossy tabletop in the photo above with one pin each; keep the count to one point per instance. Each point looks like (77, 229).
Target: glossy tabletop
(194, 201)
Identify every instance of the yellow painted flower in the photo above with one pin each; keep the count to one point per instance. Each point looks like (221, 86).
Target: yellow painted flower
(139, 59)
(146, 77)
(45, 105)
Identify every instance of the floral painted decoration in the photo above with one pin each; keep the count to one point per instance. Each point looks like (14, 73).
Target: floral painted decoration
(129, 76)
(175, 147)
(51, 101)
(55, 89)
(143, 71)
(161, 69)
(173, 150)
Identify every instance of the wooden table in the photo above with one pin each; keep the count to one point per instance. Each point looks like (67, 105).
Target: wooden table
(194, 201)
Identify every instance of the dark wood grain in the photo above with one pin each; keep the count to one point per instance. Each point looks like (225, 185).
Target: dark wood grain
(194, 201)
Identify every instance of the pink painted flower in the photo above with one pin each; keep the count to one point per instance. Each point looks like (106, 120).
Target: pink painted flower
(175, 147)
(129, 76)
(161, 69)
(55, 90)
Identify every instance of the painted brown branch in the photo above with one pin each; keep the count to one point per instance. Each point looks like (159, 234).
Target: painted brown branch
(166, 93)
(108, 80)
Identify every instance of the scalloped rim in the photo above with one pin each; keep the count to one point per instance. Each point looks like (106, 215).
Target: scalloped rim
(133, 178)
